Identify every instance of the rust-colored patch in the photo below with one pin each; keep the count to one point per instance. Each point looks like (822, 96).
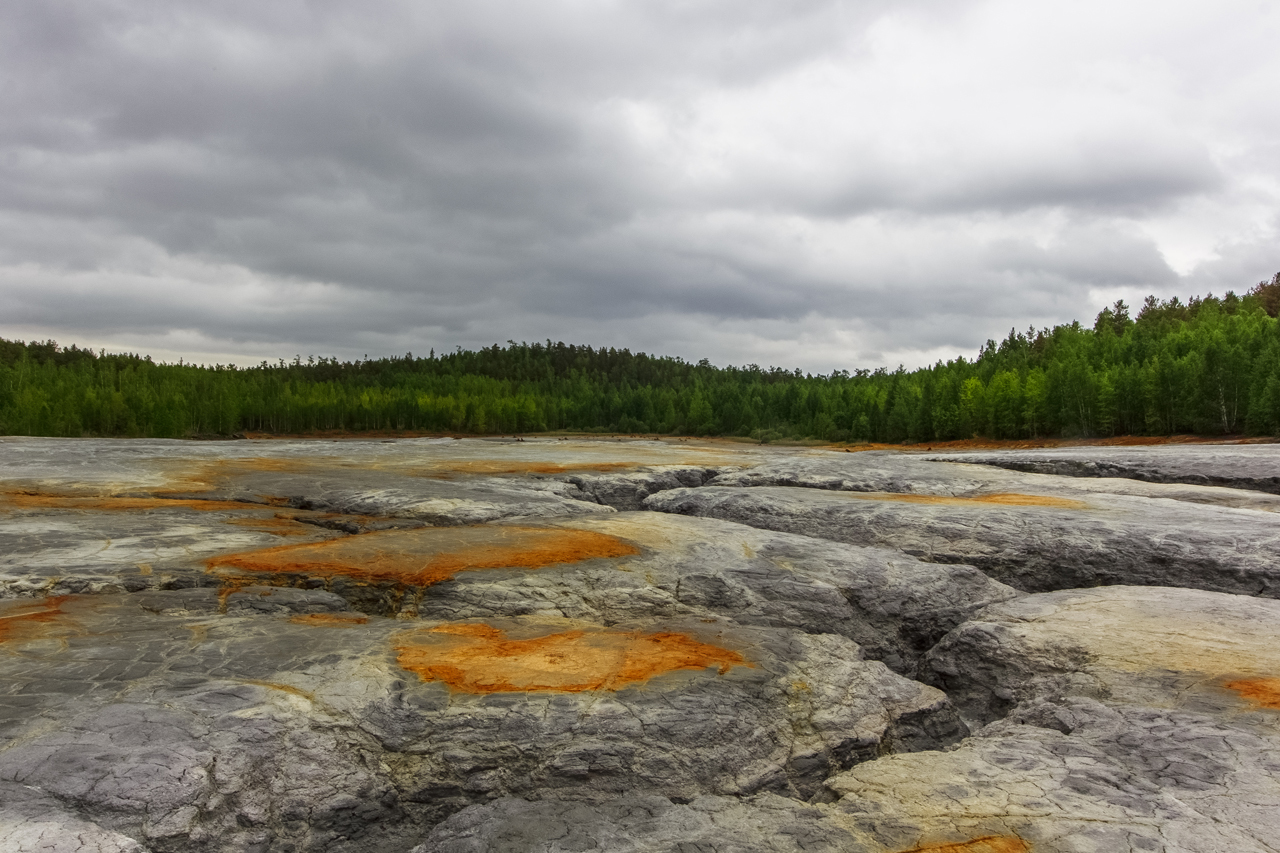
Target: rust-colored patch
(188, 476)
(338, 619)
(985, 844)
(34, 500)
(428, 555)
(473, 658)
(283, 688)
(229, 587)
(1264, 692)
(26, 620)
(1003, 499)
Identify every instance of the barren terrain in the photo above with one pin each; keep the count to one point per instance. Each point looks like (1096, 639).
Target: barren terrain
(430, 645)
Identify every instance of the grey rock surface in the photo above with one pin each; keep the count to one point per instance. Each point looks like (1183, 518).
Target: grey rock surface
(438, 645)
(644, 824)
(1068, 777)
(32, 821)
(190, 730)
(107, 547)
(1246, 466)
(1032, 543)
(967, 475)
(627, 492)
(1077, 776)
(894, 606)
(1170, 648)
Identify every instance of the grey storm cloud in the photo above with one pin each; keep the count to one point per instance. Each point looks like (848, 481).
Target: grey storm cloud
(820, 184)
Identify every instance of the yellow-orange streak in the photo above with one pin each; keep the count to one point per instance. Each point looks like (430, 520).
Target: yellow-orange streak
(1264, 692)
(426, 556)
(335, 619)
(986, 844)
(205, 476)
(32, 500)
(480, 659)
(22, 620)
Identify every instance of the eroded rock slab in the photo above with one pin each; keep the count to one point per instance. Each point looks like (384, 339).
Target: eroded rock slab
(1168, 648)
(644, 824)
(1253, 467)
(560, 675)
(1066, 777)
(438, 481)
(156, 717)
(56, 546)
(389, 572)
(32, 821)
(895, 607)
(1078, 776)
(1031, 542)
(112, 515)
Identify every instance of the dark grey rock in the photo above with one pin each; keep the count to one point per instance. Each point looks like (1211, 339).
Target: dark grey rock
(643, 824)
(1110, 539)
(626, 492)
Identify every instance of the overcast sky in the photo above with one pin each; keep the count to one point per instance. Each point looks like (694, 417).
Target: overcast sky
(811, 183)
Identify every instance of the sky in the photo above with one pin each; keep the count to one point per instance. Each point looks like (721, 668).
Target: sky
(812, 184)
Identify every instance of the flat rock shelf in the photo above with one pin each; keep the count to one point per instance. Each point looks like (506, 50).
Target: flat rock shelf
(439, 646)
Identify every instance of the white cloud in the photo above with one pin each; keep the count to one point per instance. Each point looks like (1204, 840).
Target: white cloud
(822, 184)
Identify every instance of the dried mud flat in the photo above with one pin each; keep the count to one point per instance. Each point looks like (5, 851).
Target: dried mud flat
(547, 645)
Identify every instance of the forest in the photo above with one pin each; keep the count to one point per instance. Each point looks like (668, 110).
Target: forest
(1209, 365)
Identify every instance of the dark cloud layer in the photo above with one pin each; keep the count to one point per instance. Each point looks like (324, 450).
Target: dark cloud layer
(820, 183)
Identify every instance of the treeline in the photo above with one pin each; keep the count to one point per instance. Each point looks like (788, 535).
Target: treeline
(1210, 365)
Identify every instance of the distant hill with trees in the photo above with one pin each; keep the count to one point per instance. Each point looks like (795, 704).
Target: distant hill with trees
(1208, 365)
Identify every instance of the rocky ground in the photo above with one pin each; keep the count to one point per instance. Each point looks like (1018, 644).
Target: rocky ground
(550, 645)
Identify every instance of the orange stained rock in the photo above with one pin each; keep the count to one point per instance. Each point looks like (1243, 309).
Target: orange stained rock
(1264, 692)
(24, 620)
(1003, 499)
(473, 658)
(338, 619)
(985, 844)
(429, 555)
(190, 477)
(34, 500)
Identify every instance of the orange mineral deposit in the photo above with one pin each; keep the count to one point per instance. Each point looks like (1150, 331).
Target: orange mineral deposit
(40, 500)
(473, 658)
(429, 555)
(985, 844)
(330, 619)
(27, 620)
(1263, 692)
